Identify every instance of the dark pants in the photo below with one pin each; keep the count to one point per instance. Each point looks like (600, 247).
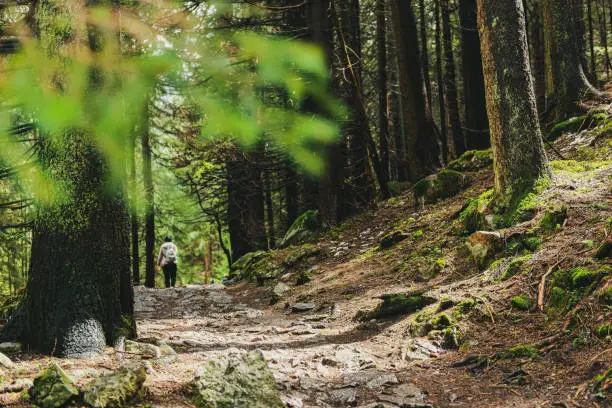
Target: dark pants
(170, 274)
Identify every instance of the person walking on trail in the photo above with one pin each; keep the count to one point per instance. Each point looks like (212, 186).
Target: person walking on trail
(167, 261)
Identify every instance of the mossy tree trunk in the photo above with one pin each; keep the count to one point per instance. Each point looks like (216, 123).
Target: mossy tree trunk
(567, 84)
(147, 173)
(422, 152)
(440, 79)
(79, 295)
(518, 151)
(476, 120)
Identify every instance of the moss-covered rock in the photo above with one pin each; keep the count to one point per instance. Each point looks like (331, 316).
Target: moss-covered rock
(305, 228)
(472, 160)
(575, 124)
(116, 389)
(445, 184)
(300, 255)
(520, 351)
(605, 249)
(532, 243)
(516, 266)
(569, 286)
(241, 267)
(553, 218)
(605, 297)
(136, 348)
(522, 302)
(474, 216)
(605, 330)
(53, 388)
(583, 277)
(396, 305)
(235, 381)
(392, 239)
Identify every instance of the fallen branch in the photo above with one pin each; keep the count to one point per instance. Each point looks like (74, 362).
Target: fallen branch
(542, 287)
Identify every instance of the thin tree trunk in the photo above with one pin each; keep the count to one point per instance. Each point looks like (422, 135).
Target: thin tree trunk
(208, 261)
(580, 31)
(383, 97)
(476, 121)
(147, 173)
(424, 52)
(134, 214)
(291, 193)
(269, 209)
(440, 79)
(518, 151)
(604, 40)
(592, 43)
(421, 143)
(450, 82)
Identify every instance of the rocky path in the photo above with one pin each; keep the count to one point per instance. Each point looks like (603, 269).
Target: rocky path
(317, 360)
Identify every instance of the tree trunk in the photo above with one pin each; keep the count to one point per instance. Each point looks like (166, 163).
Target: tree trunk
(592, 43)
(604, 40)
(539, 67)
(147, 173)
(134, 214)
(566, 82)
(450, 82)
(440, 79)
(421, 144)
(476, 120)
(518, 151)
(291, 193)
(580, 31)
(269, 209)
(383, 107)
(208, 261)
(424, 52)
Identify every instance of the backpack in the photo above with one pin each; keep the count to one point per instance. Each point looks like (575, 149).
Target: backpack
(171, 254)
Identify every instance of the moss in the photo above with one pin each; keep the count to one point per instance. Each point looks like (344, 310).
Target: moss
(532, 243)
(445, 304)
(441, 321)
(582, 277)
(473, 217)
(53, 388)
(299, 255)
(392, 238)
(522, 302)
(304, 228)
(520, 351)
(394, 188)
(396, 305)
(449, 183)
(553, 218)
(558, 297)
(304, 277)
(420, 188)
(417, 234)
(115, 389)
(516, 266)
(465, 306)
(569, 286)
(605, 297)
(577, 167)
(472, 160)
(604, 330)
(571, 125)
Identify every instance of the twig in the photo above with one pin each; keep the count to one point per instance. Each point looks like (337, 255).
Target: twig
(489, 309)
(600, 354)
(542, 286)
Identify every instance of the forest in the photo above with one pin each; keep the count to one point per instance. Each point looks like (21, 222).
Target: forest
(373, 203)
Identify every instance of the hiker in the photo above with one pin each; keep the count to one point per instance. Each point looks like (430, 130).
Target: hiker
(167, 261)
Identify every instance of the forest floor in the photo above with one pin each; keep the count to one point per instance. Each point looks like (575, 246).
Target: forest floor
(323, 357)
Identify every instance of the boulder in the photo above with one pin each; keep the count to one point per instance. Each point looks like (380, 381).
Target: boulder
(281, 289)
(392, 239)
(133, 347)
(472, 160)
(53, 388)
(5, 361)
(483, 244)
(116, 389)
(304, 228)
(235, 381)
(303, 307)
(10, 347)
(304, 277)
(396, 304)
(243, 265)
(445, 184)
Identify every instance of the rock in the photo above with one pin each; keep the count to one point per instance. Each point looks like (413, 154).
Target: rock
(346, 397)
(396, 304)
(419, 349)
(605, 249)
(133, 347)
(243, 267)
(303, 307)
(5, 361)
(304, 277)
(472, 160)
(19, 385)
(281, 289)
(53, 388)
(116, 389)
(553, 218)
(235, 380)
(483, 244)
(304, 228)
(381, 381)
(10, 347)
(445, 184)
(168, 355)
(392, 239)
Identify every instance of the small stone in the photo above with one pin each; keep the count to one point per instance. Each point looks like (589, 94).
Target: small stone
(303, 307)
(144, 349)
(344, 397)
(382, 380)
(281, 289)
(483, 244)
(53, 388)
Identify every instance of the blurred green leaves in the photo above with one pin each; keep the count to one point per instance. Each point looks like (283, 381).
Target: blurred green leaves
(103, 85)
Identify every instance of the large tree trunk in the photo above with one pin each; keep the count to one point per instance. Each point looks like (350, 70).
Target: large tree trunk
(593, 58)
(450, 82)
(134, 214)
(539, 66)
(476, 120)
(383, 106)
(567, 84)
(518, 151)
(147, 173)
(421, 142)
(424, 53)
(440, 79)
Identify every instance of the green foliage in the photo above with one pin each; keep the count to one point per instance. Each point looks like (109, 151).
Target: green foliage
(472, 160)
(569, 286)
(516, 266)
(553, 218)
(520, 351)
(421, 187)
(604, 330)
(473, 217)
(522, 302)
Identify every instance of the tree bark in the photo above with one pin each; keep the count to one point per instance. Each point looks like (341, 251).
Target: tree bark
(134, 214)
(269, 209)
(440, 79)
(604, 39)
(452, 103)
(592, 43)
(147, 173)
(476, 120)
(424, 52)
(422, 151)
(383, 106)
(539, 66)
(566, 81)
(518, 152)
